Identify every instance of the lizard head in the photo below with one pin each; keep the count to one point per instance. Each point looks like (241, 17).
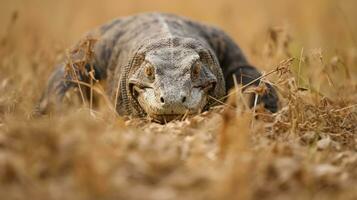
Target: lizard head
(173, 81)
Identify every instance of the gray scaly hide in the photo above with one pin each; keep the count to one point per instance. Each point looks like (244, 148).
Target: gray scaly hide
(171, 43)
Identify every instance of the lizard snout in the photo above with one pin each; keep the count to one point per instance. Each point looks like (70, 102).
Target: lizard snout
(172, 102)
(181, 99)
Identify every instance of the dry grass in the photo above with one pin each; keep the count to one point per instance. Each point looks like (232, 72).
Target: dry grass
(305, 151)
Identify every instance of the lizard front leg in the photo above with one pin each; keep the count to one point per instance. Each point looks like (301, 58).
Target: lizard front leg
(250, 75)
(234, 64)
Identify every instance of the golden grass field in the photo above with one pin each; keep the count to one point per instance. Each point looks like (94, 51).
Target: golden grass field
(308, 150)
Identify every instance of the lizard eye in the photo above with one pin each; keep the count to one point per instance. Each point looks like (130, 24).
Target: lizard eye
(149, 71)
(196, 69)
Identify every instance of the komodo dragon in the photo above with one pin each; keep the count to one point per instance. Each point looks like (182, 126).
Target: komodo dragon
(161, 66)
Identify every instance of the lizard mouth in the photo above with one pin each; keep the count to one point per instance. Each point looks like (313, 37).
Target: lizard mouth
(146, 98)
(162, 119)
(136, 88)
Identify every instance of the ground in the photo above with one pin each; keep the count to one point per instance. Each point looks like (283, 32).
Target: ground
(305, 151)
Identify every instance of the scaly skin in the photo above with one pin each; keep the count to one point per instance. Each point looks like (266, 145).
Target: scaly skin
(163, 66)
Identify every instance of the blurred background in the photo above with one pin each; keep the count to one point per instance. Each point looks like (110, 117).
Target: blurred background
(326, 24)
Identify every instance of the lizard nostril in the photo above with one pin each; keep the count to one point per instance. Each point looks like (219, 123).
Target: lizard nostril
(184, 99)
(162, 100)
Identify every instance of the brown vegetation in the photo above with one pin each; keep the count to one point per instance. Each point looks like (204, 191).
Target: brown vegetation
(305, 151)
